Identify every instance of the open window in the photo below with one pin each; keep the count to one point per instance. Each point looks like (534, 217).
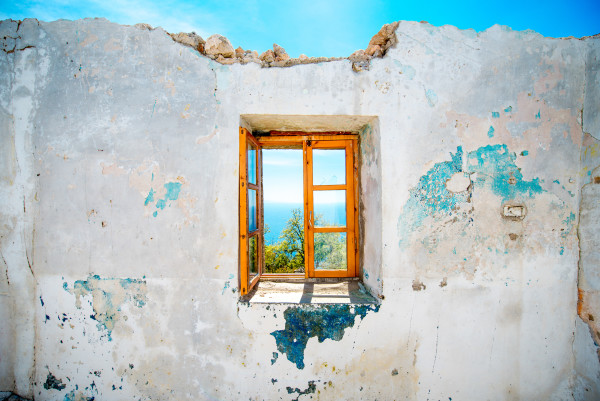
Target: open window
(329, 204)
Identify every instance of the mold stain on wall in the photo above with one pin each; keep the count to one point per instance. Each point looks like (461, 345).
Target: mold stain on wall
(323, 322)
(108, 296)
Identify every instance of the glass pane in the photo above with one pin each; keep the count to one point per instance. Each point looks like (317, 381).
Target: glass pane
(329, 166)
(330, 251)
(251, 163)
(253, 257)
(329, 208)
(252, 210)
(283, 191)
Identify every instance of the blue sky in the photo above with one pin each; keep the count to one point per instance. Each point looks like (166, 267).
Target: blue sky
(317, 28)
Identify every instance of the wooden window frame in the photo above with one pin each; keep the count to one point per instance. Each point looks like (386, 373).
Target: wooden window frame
(305, 141)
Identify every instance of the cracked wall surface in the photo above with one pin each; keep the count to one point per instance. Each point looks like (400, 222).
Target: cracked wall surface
(588, 328)
(119, 232)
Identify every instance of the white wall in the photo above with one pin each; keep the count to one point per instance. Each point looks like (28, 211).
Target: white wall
(141, 301)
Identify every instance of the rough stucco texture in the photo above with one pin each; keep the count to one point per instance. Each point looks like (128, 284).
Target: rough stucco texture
(119, 219)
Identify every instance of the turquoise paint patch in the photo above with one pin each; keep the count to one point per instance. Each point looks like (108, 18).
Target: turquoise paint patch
(274, 359)
(569, 221)
(109, 294)
(155, 214)
(524, 153)
(562, 250)
(491, 132)
(432, 98)
(538, 115)
(227, 284)
(323, 322)
(150, 197)
(172, 193)
(556, 182)
(496, 171)
(495, 114)
(173, 189)
(431, 197)
(495, 166)
(508, 109)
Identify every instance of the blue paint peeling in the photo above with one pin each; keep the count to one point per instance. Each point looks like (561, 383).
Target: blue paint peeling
(71, 396)
(324, 321)
(569, 221)
(495, 114)
(495, 170)
(432, 97)
(524, 153)
(491, 132)
(227, 285)
(538, 115)
(150, 197)
(53, 383)
(109, 294)
(274, 359)
(172, 193)
(431, 197)
(312, 387)
(508, 109)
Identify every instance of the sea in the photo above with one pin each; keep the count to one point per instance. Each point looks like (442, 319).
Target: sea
(277, 215)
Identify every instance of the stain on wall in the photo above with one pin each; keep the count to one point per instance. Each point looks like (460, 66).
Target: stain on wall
(108, 296)
(323, 322)
(492, 167)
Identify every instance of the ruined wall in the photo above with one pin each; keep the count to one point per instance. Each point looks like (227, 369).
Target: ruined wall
(119, 219)
(588, 332)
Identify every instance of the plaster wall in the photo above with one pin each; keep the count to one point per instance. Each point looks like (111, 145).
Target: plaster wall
(119, 219)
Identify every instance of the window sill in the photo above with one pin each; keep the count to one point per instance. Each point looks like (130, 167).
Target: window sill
(294, 291)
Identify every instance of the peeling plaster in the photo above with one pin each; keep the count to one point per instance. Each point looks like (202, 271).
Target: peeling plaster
(323, 322)
(108, 296)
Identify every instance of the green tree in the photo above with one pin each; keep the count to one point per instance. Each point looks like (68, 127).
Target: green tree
(287, 255)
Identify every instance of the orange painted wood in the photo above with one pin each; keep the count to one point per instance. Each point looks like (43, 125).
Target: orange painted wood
(330, 229)
(304, 133)
(350, 228)
(308, 142)
(306, 209)
(246, 284)
(297, 140)
(329, 187)
(357, 264)
(350, 221)
(243, 210)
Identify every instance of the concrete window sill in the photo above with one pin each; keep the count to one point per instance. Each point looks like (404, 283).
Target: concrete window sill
(310, 292)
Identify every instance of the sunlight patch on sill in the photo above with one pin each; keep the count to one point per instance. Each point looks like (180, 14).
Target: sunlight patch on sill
(295, 292)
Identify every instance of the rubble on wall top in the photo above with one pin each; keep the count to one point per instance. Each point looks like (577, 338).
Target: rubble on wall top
(220, 49)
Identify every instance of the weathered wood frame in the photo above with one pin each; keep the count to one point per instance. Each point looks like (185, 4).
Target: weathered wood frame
(307, 141)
